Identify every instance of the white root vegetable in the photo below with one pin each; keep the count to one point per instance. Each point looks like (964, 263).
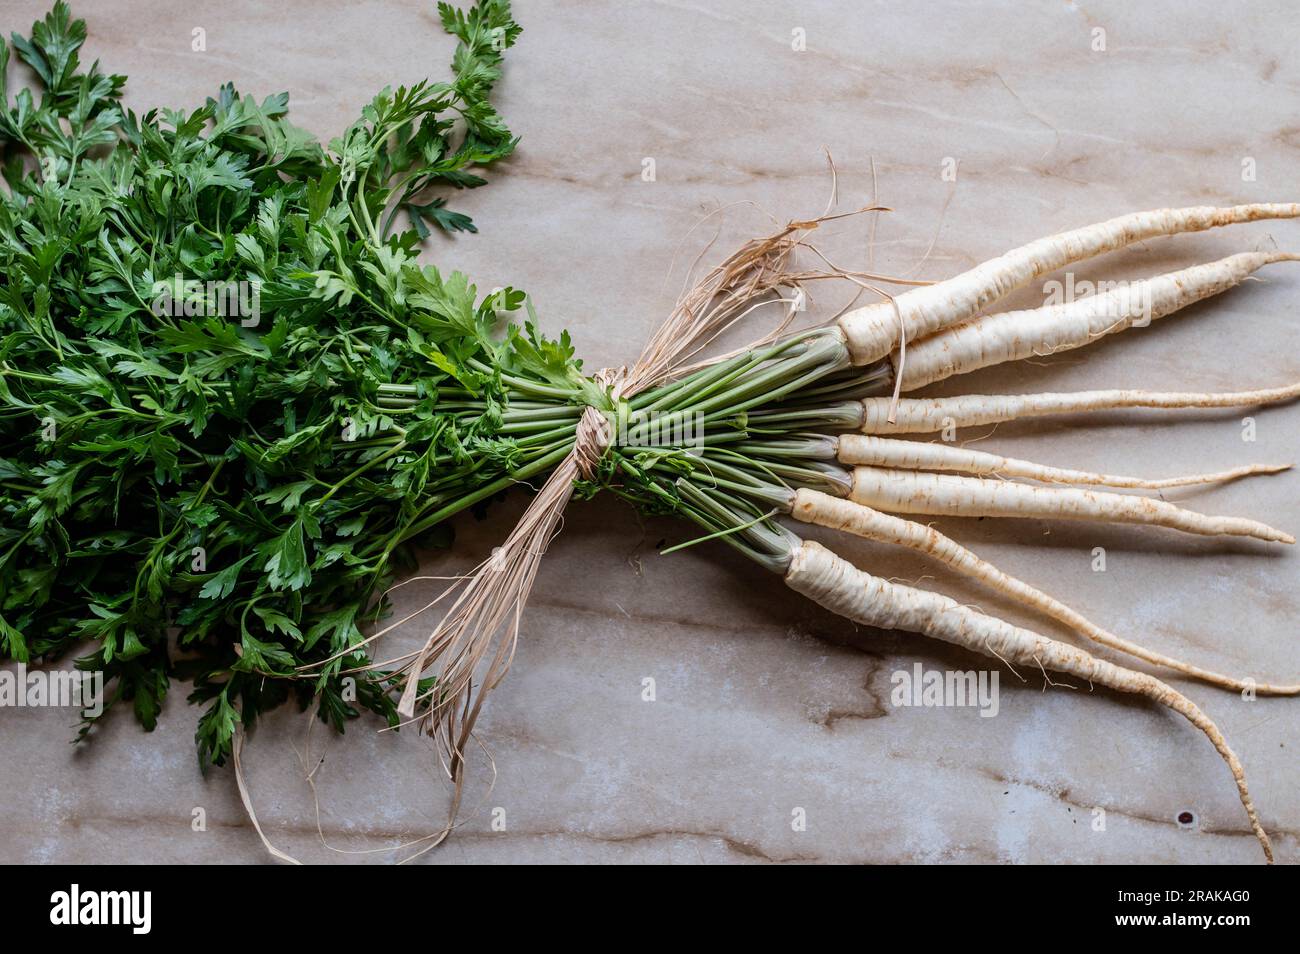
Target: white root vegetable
(823, 510)
(905, 491)
(872, 332)
(844, 589)
(1012, 335)
(917, 455)
(926, 415)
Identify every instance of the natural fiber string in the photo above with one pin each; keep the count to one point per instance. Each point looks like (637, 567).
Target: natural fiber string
(469, 658)
(595, 430)
(470, 649)
(236, 750)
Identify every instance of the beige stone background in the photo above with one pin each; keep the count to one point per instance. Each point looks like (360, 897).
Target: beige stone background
(764, 703)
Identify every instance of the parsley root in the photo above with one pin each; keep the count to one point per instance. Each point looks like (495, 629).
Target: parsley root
(906, 491)
(875, 330)
(812, 506)
(926, 415)
(844, 589)
(916, 455)
(1012, 335)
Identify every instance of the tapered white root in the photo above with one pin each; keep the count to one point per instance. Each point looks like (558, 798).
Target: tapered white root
(874, 331)
(905, 491)
(927, 415)
(844, 589)
(1012, 335)
(815, 507)
(917, 455)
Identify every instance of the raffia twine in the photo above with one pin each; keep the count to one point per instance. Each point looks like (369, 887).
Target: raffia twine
(471, 647)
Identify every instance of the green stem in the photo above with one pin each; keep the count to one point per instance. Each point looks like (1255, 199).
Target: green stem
(531, 470)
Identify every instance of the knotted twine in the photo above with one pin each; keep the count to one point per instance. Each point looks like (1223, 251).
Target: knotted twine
(464, 647)
(469, 658)
(595, 429)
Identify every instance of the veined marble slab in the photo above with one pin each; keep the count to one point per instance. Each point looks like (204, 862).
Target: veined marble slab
(772, 735)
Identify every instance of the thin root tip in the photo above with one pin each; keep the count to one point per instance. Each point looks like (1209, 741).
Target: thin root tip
(1270, 468)
(1262, 531)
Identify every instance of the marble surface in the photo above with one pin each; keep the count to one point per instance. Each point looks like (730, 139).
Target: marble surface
(766, 705)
